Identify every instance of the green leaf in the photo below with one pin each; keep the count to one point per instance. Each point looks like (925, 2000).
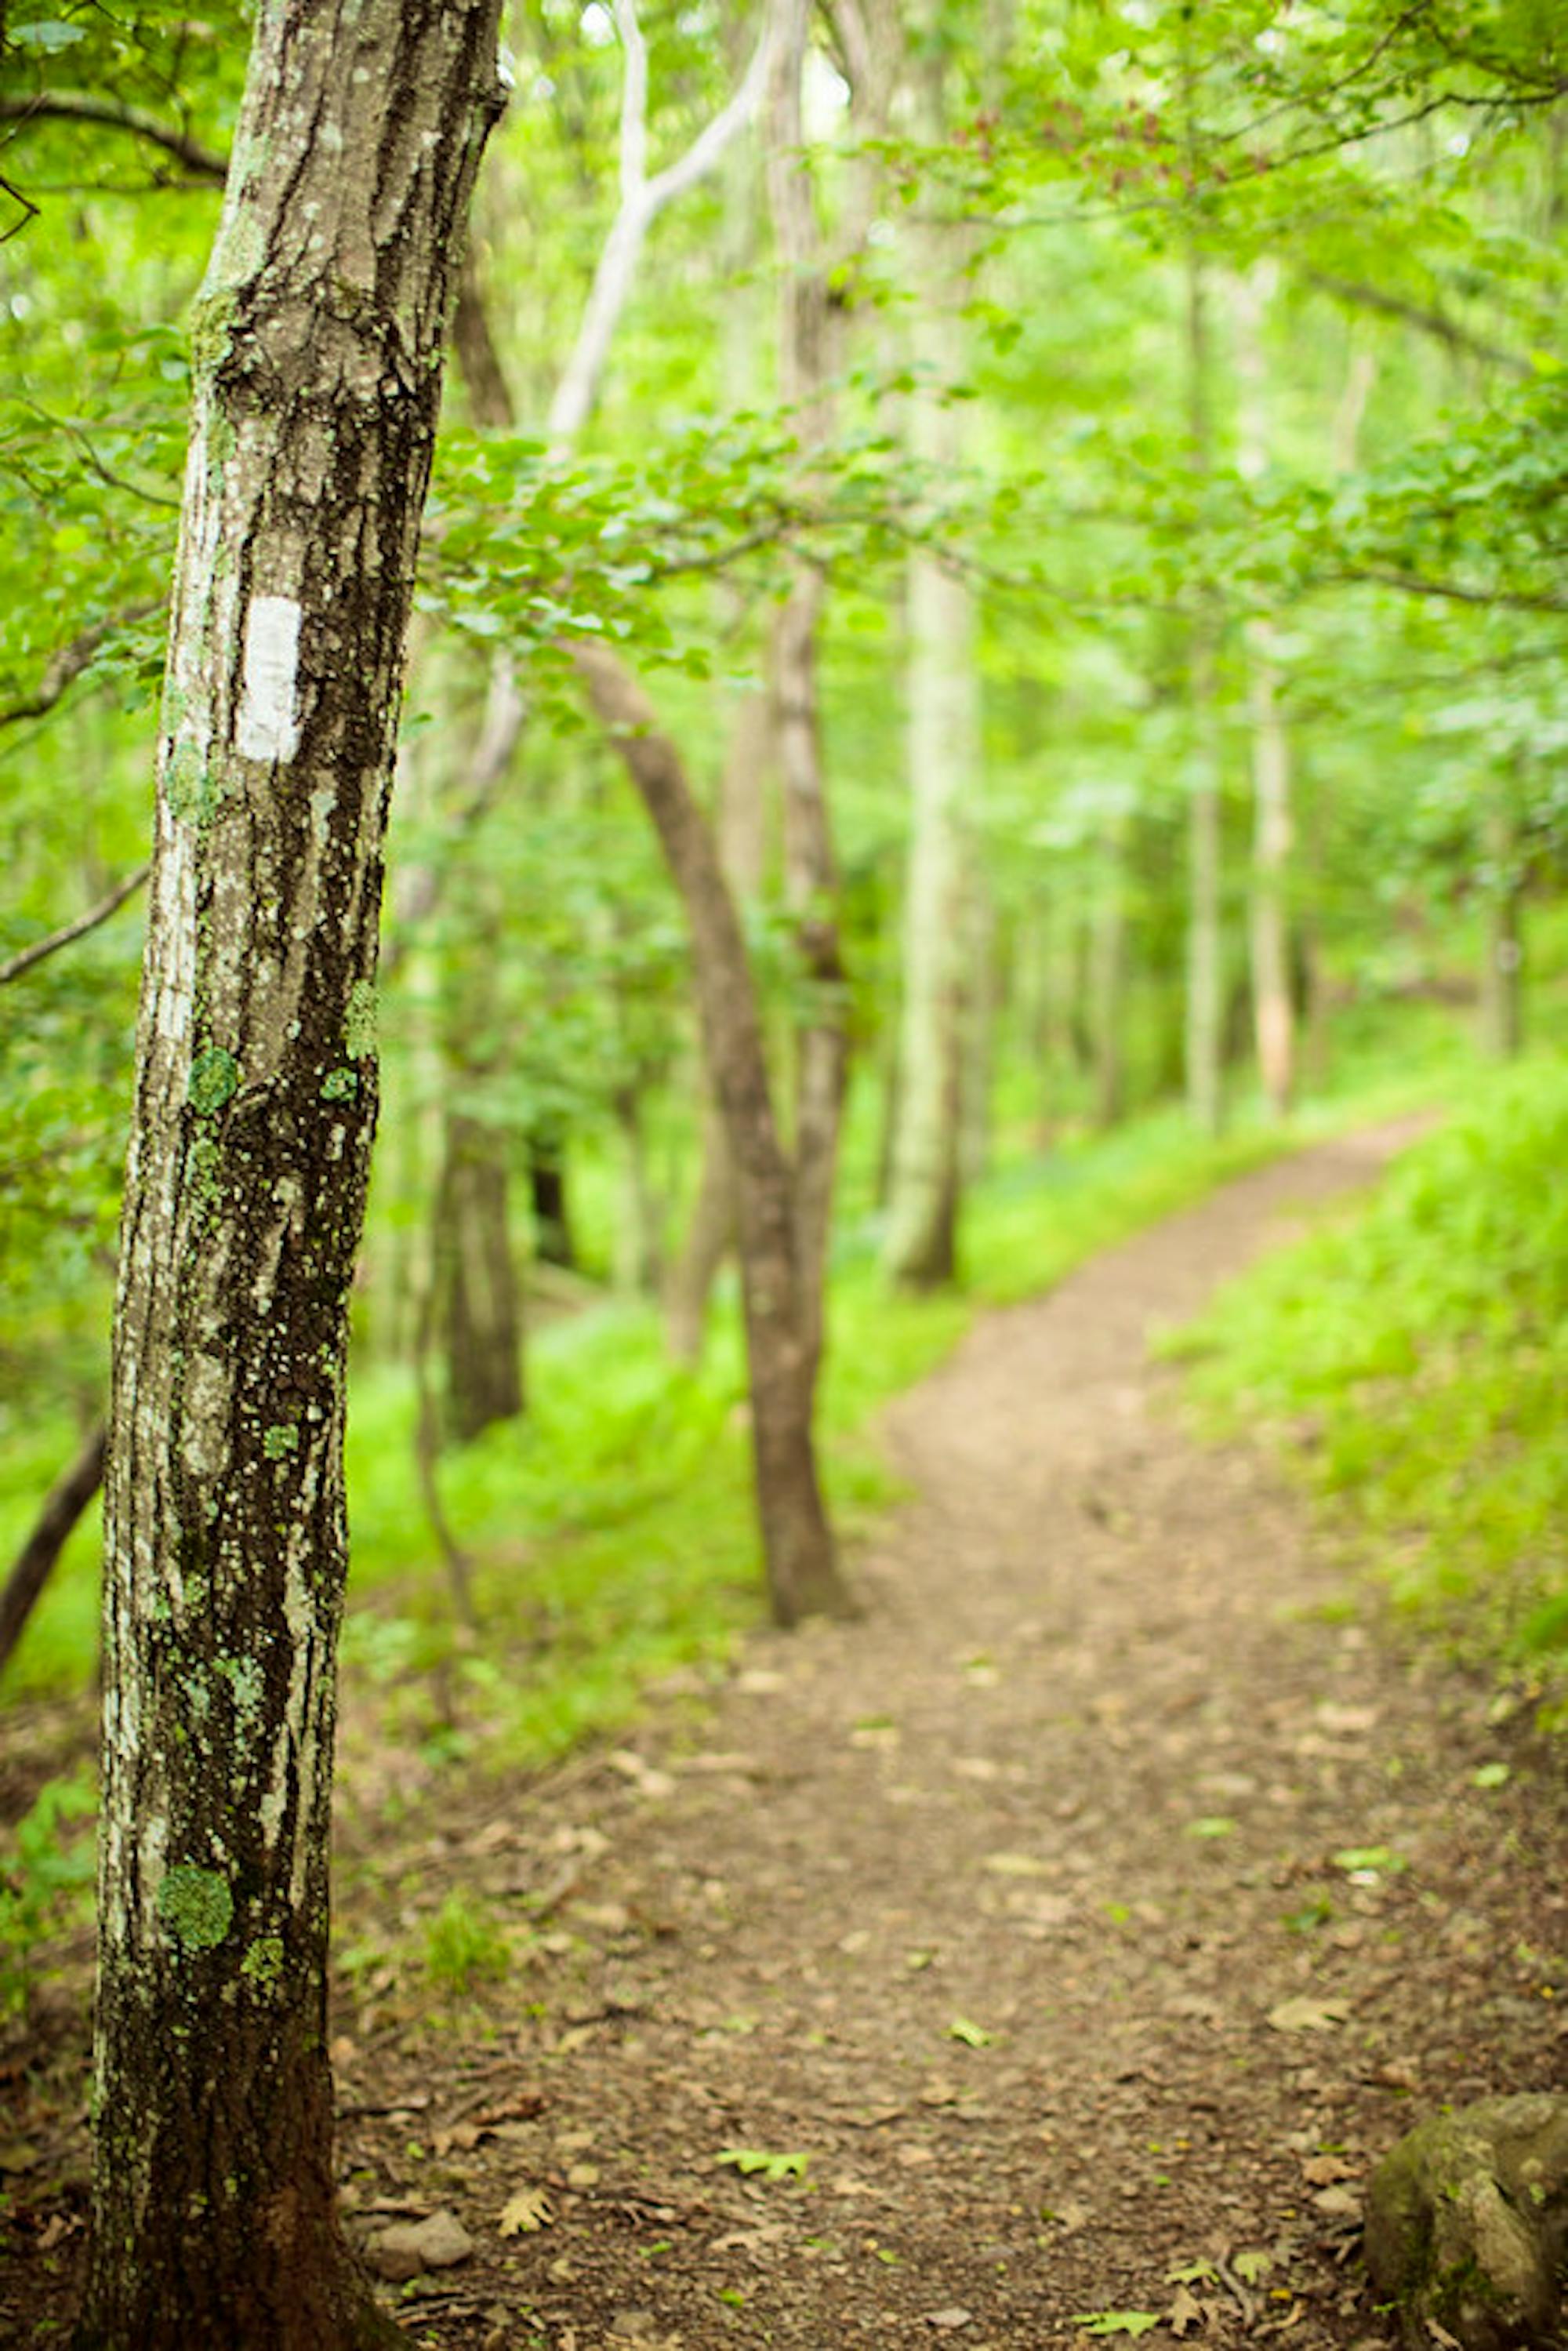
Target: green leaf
(765, 2162)
(1116, 2322)
(972, 2036)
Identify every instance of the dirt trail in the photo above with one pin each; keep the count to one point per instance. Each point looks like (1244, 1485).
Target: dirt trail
(1014, 1910)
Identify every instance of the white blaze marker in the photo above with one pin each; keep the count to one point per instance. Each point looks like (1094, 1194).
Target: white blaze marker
(268, 722)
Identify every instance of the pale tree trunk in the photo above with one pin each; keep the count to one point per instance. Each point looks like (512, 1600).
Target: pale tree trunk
(1205, 940)
(1503, 957)
(797, 1543)
(741, 851)
(821, 1043)
(943, 766)
(1268, 920)
(1107, 980)
(316, 348)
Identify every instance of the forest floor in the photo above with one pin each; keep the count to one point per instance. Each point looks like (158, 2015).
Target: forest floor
(1048, 1955)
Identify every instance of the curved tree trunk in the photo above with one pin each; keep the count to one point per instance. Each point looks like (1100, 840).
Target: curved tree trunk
(316, 347)
(803, 1577)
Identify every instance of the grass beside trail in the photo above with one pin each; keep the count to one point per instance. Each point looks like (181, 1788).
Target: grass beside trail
(611, 1530)
(1412, 1360)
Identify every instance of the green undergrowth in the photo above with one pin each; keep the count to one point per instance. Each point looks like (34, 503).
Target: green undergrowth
(1411, 1357)
(610, 1531)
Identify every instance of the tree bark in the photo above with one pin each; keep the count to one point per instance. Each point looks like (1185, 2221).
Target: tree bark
(1107, 982)
(316, 347)
(804, 1576)
(943, 761)
(478, 1309)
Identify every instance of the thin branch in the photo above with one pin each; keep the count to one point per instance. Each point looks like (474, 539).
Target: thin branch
(1413, 584)
(1415, 314)
(642, 200)
(67, 666)
(81, 106)
(41, 948)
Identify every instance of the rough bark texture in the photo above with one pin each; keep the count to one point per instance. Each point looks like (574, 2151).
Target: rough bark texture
(316, 348)
(797, 1544)
(68, 1497)
(479, 1307)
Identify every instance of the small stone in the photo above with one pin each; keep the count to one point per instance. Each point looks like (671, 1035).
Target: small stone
(410, 2247)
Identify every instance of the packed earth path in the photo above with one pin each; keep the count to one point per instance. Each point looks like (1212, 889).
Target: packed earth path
(1047, 1956)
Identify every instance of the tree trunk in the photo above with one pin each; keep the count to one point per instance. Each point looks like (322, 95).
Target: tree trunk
(1268, 925)
(798, 1545)
(1502, 960)
(316, 345)
(742, 850)
(1108, 983)
(478, 1312)
(821, 1063)
(1205, 942)
(943, 763)
(555, 1243)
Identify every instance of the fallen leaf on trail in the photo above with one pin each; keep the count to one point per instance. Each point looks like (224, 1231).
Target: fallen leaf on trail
(1016, 1865)
(954, 2317)
(583, 2175)
(975, 1767)
(972, 2035)
(1305, 2014)
(1339, 2203)
(1323, 2171)
(1069, 2215)
(1183, 2312)
(521, 2214)
(1349, 1718)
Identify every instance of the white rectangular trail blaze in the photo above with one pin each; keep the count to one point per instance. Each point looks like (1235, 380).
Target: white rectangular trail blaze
(268, 719)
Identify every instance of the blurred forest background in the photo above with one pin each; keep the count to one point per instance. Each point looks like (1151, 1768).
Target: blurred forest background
(1056, 511)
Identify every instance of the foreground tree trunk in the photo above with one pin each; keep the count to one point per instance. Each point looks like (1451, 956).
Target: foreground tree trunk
(316, 346)
(797, 1544)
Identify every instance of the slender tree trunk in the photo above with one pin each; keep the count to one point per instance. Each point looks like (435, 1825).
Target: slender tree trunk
(317, 349)
(1503, 958)
(478, 1312)
(943, 764)
(67, 1498)
(805, 357)
(742, 852)
(1268, 923)
(555, 1243)
(1108, 983)
(1205, 942)
(797, 1544)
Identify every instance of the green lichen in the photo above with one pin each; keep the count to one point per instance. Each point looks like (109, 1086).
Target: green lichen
(212, 320)
(245, 1680)
(360, 1024)
(263, 1963)
(196, 1907)
(215, 1078)
(189, 786)
(280, 1441)
(340, 1085)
